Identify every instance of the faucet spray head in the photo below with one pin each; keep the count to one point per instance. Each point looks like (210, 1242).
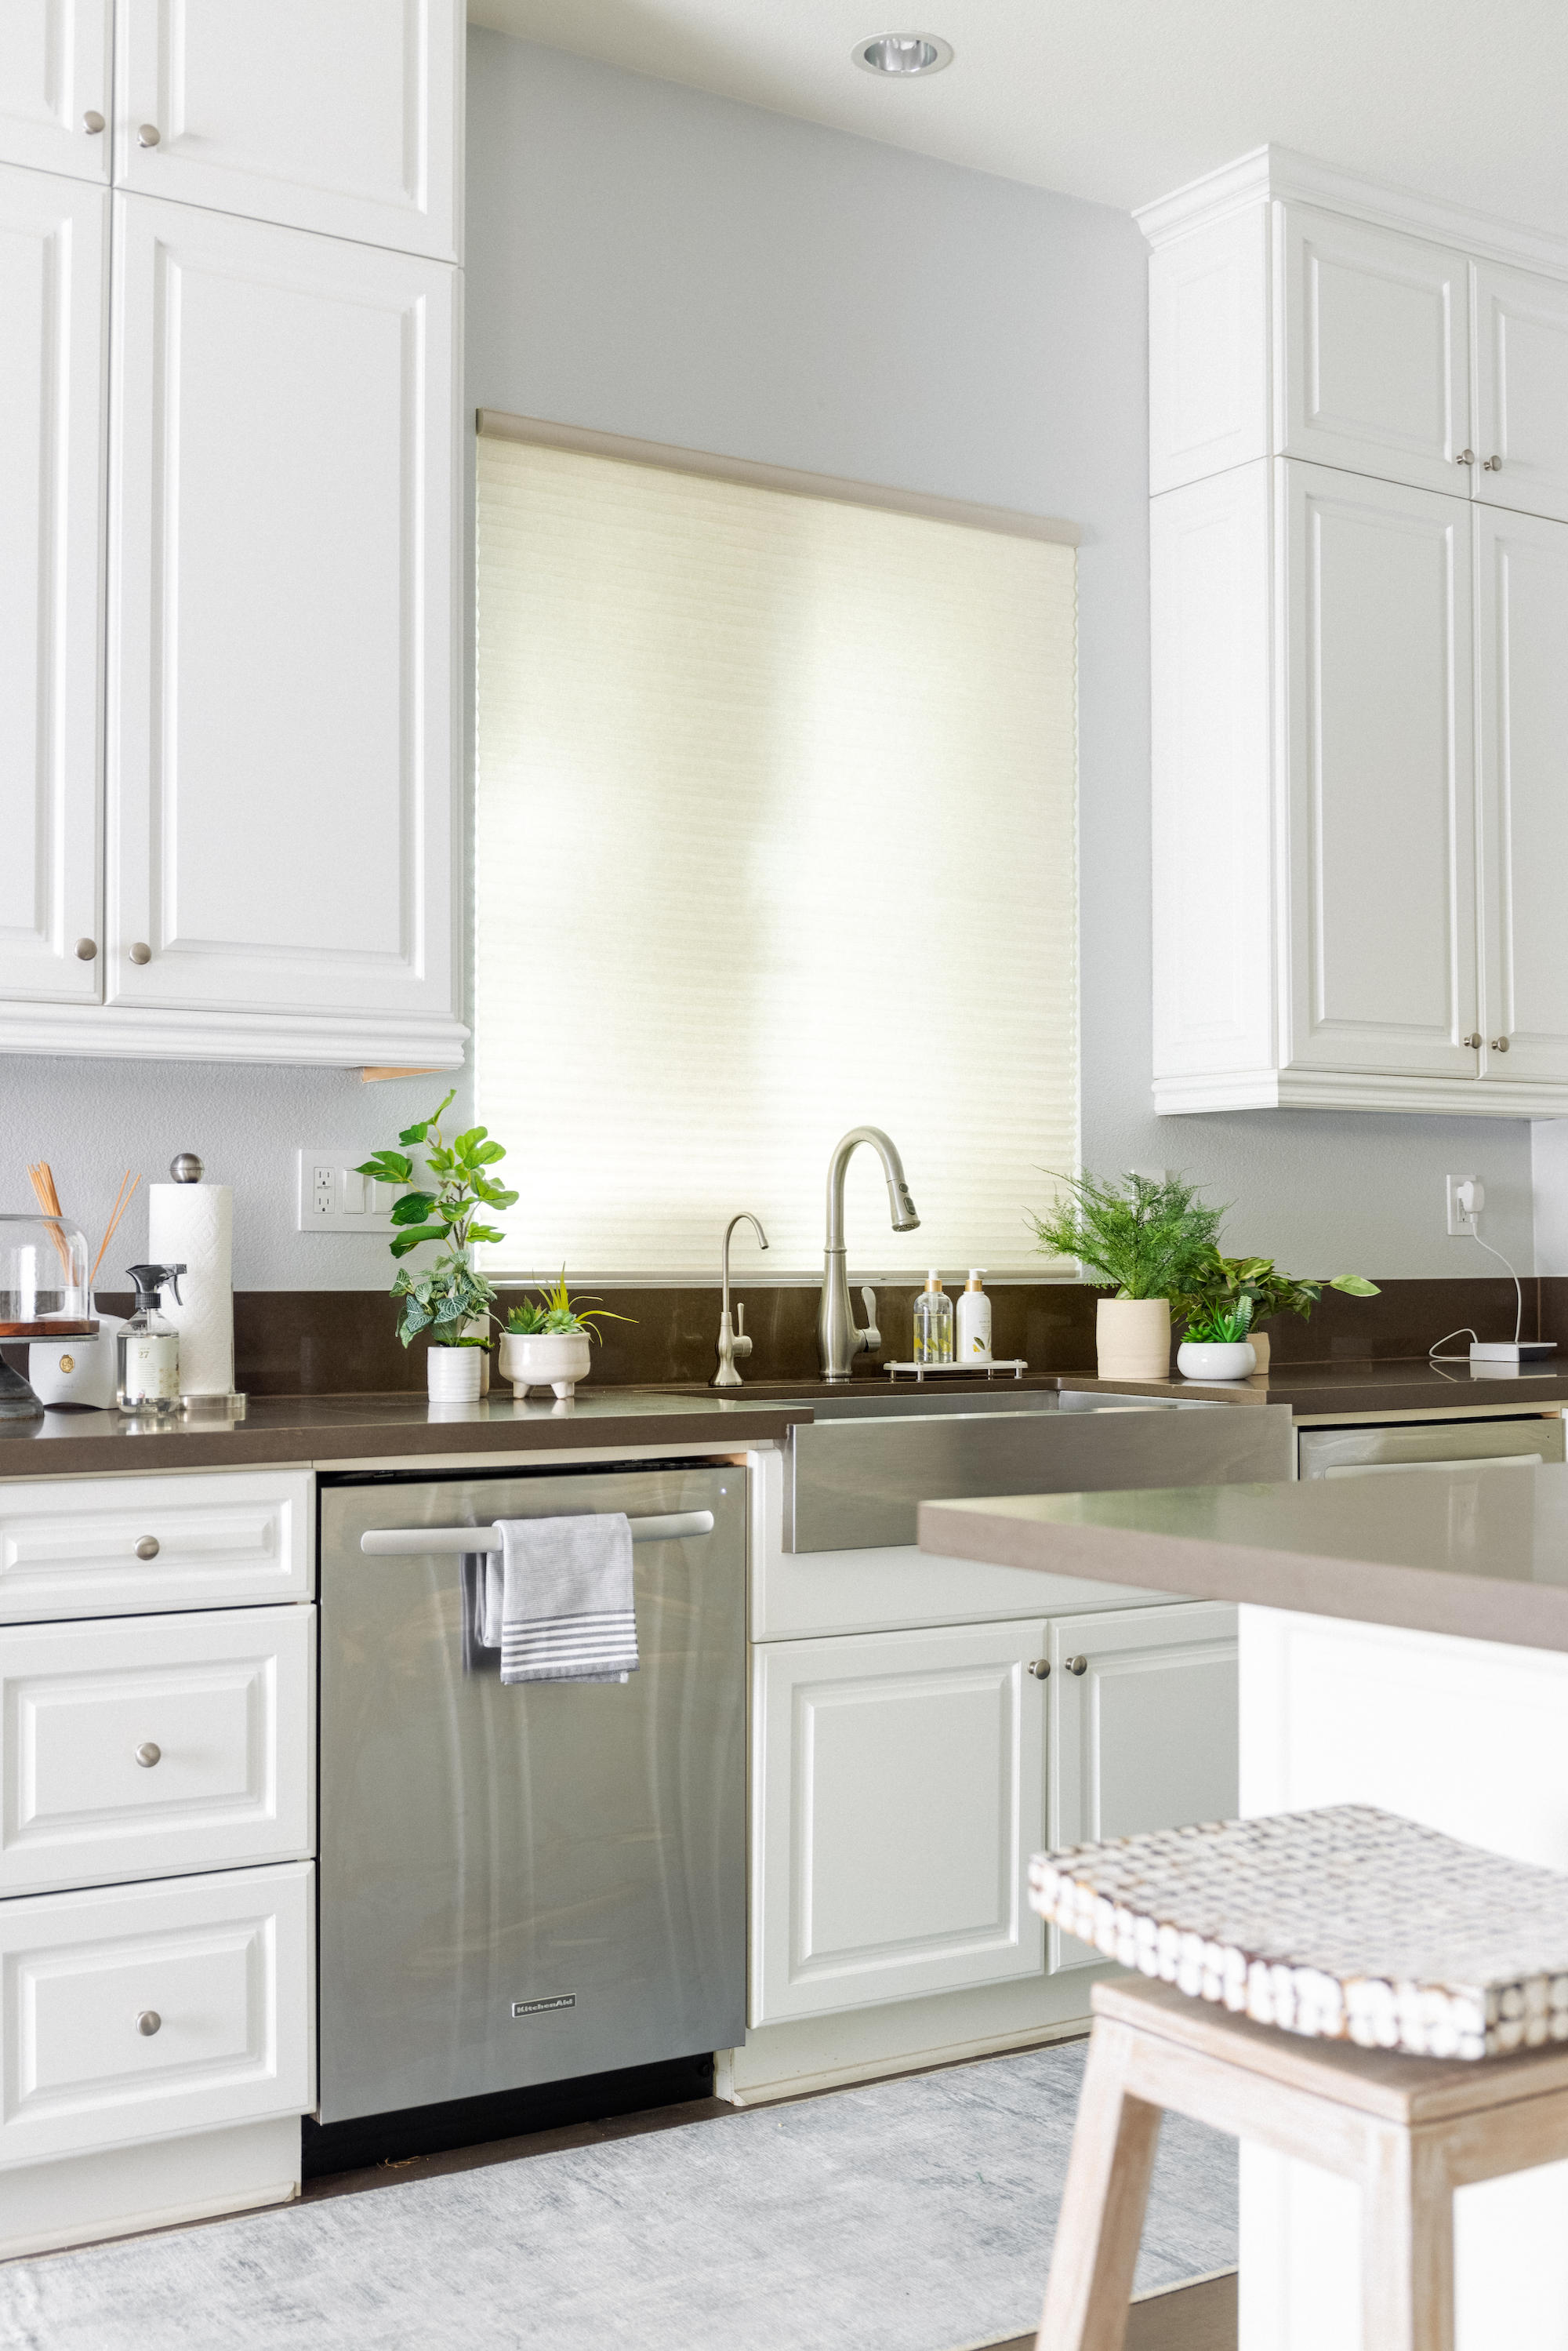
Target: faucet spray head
(905, 1218)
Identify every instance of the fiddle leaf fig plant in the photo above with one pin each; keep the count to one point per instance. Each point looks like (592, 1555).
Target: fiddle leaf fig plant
(456, 1190)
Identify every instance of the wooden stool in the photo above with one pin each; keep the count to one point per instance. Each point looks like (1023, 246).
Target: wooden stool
(1408, 2130)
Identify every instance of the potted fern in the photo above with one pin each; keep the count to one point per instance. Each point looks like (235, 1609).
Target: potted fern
(1143, 1238)
(450, 1297)
(546, 1344)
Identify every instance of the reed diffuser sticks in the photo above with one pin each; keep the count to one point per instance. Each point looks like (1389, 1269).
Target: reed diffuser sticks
(41, 1177)
(122, 1199)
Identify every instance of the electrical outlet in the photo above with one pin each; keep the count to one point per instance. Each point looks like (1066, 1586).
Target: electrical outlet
(1464, 1214)
(334, 1197)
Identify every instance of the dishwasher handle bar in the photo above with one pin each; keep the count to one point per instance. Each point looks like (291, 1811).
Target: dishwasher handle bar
(412, 1542)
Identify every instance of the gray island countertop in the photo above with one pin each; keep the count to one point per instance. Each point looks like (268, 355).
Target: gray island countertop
(1479, 1551)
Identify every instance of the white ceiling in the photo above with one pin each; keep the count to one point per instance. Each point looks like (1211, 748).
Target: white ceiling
(1122, 100)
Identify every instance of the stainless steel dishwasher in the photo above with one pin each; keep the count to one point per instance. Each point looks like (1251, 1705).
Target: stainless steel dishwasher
(524, 1883)
(1368, 1449)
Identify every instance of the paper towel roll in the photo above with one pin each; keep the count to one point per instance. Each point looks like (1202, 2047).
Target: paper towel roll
(193, 1225)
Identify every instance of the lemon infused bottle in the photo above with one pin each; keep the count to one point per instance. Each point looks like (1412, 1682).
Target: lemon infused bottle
(933, 1322)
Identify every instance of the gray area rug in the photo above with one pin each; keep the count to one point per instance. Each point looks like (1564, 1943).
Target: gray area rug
(909, 2216)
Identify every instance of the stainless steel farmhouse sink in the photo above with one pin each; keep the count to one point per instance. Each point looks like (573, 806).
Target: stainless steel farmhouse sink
(856, 1474)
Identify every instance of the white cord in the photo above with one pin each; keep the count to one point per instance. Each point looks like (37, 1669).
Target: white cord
(1432, 1354)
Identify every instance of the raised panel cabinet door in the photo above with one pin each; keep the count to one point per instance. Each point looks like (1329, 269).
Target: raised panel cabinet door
(155, 1747)
(1209, 351)
(1522, 383)
(338, 115)
(897, 1790)
(281, 615)
(53, 301)
(142, 2011)
(1522, 637)
(1375, 374)
(1376, 595)
(1143, 1728)
(54, 86)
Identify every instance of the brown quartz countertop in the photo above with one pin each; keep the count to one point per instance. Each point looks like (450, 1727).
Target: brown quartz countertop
(1331, 1390)
(351, 1429)
(1480, 1552)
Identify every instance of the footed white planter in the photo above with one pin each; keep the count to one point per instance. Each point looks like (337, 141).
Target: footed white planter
(453, 1374)
(1133, 1338)
(551, 1358)
(1196, 1361)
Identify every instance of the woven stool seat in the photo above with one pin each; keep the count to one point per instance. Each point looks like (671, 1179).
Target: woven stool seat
(1345, 1923)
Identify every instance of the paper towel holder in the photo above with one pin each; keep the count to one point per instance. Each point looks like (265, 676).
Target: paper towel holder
(186, 1167)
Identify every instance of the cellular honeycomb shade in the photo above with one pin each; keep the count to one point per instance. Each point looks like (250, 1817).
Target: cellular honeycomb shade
(775, 836)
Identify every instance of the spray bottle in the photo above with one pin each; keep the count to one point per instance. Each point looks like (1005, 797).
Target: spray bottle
(147, 1348)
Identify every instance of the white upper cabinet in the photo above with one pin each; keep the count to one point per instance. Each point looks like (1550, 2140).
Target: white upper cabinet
(53, 284)
(1209, 330)
(1522, 388)
(1376, 368)
(282, 588)
(1521, 636)
(1380, 768)
(337, 115)
(54, 86)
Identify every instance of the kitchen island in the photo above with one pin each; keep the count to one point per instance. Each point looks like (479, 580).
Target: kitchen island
(1404, 1642)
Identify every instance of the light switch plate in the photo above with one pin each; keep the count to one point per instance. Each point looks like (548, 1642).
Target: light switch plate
(334, 1197)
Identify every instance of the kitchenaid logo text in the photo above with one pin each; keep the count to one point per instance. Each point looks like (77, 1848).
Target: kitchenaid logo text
(538, 2007)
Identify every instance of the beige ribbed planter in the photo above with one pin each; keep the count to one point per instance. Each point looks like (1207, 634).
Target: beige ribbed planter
(1259, 1342)
(1133, 1338)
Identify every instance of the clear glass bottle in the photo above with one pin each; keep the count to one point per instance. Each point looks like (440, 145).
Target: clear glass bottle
(933, 1322)
(147, 1348)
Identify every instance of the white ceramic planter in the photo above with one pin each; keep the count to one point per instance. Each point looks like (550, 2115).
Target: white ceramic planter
(1133, 1338)
(453, 1374)
(551, 1358)
(1196, 1361)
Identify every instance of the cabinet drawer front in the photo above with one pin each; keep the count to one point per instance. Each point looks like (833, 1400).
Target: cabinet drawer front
(81, 1550)
(222, 1964)
(169, 1743)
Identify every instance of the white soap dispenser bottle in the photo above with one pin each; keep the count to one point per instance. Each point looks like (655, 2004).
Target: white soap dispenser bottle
(974, 1320)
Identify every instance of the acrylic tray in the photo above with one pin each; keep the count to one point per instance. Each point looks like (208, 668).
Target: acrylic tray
(990, 1365)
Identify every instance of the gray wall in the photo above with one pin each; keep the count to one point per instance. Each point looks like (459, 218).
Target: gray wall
(652, 261)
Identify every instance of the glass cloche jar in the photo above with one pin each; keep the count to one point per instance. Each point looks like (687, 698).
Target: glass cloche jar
(44, 1294)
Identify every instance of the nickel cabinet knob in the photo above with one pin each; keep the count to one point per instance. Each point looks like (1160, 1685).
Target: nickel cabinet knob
(1474, 1040)
(1465, 457)
(149, 1753)
(1499, 1044)
(92, 121)
(1039, 1667)
(1492, 465)
(148, 135)
(1076, 1665)
(141, 952)
(148, 2023)
(85, 950)
(148, 1547)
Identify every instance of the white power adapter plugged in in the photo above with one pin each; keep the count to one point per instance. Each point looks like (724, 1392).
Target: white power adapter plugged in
(1467, 1199)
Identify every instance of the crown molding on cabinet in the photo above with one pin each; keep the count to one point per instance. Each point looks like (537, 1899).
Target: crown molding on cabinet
(121, 1032)
(1280, 174)
(1356, 1090)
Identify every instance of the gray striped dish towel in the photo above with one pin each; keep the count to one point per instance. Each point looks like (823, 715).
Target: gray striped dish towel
(558, 1599)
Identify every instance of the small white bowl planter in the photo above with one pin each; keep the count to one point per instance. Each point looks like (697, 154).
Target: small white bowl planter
(1196, 1361)
(453, 1374)
(549, 1359)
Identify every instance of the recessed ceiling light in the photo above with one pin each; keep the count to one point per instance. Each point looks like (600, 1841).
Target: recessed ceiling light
(902, 53)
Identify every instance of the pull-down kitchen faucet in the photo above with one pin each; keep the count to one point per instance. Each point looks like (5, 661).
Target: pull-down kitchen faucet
(839, 1338)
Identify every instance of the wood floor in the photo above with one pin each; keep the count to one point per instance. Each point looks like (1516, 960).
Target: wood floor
(1188, 2318)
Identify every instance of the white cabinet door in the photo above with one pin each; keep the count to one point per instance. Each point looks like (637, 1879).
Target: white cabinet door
(1521, 380)
(1143, 1728)
(54, 85)
(337, 115)
(1376, 372)
(53, 301)
(155, 1746)
(145, 2011)
(282, 568)
(1521, 636)
(898, 1794)
(143, 1545)
(1381, 775)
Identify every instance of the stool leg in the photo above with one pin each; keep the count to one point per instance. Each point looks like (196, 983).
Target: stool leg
(1102, 2218)
(1407, 2244)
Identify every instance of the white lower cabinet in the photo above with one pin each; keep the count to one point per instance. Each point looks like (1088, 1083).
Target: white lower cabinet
(1143, 1728)
(145, 1746)
(898, 1791)
(153, 2010)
